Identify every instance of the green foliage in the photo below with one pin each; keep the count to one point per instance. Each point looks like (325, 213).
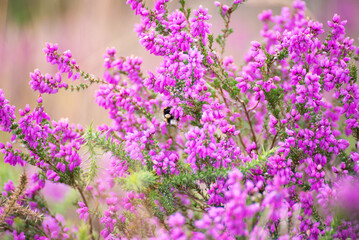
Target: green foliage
(336, 222)
(161, 29)
(195, 111)
(210, 41)
(92, 155)
(260, 162)
(221, 38)
(269, 58)
(83, 232)
(183, 5)
(353, 73)
(275, 100)
(190, 180)
(106, 142)
(301, 108)
(165, 198)
(283, 54)
(139, 181)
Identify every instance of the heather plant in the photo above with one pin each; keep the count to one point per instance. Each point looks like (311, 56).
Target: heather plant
(200, 148)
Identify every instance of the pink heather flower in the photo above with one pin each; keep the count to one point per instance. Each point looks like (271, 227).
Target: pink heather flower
(176, 220)
(225, 8)
(7, 113)
(176, 21)
(54, 227)
(17, 236)
(46, 83)
(12, 157)
(8, 188)
(199, 26)
(55, 191)
(52, 175)
(83, 211)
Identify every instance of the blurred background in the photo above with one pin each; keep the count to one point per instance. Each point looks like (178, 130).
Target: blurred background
(88, 27)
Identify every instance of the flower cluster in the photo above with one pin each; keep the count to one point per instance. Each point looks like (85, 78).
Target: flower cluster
(198, 148)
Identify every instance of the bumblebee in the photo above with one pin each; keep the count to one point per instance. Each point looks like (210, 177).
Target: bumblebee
(169, 118)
